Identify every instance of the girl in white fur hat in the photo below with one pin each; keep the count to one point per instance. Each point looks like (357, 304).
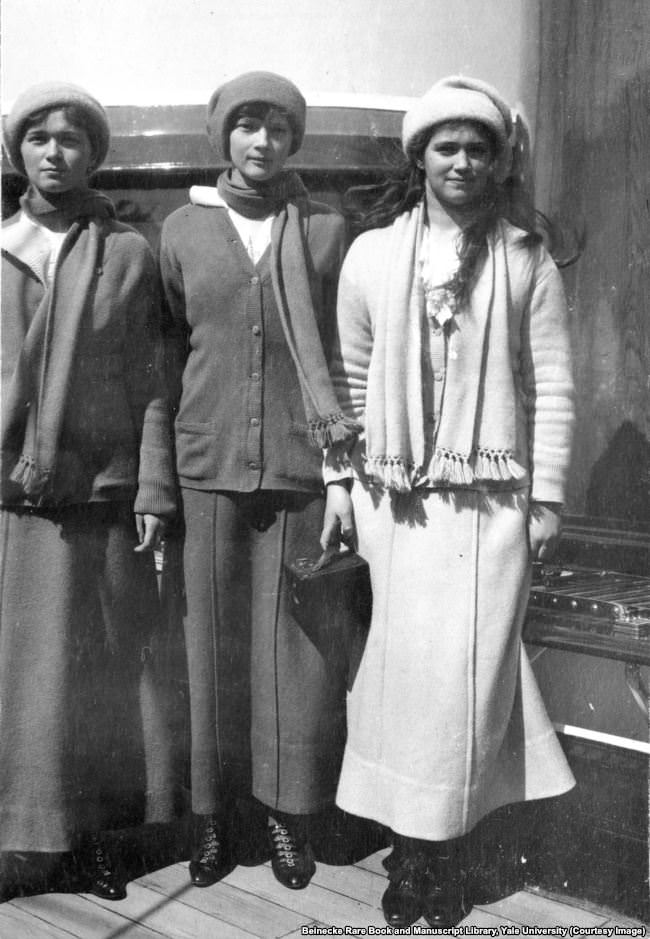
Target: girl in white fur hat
(454, 356)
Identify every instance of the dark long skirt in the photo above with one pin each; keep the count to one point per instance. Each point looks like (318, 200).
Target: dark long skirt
(84, 742)
(267, 699)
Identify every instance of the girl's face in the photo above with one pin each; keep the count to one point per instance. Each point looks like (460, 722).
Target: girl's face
(259, 146)
(57, 154)
(458, 162)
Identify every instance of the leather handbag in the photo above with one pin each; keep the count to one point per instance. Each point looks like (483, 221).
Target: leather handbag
(331, 599)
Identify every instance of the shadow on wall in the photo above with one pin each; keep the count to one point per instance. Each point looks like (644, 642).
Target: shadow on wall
(610, 291)
(619, 486)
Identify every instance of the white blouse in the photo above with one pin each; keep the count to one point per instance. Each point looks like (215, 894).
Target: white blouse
(255, 233)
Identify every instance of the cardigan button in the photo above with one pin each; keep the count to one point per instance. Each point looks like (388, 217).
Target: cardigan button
(257, 330)
(253, 464)
(255, 422)
(255, 280)
(255, 376)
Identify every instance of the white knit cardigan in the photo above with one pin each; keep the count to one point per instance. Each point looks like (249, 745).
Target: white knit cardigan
(540, 355)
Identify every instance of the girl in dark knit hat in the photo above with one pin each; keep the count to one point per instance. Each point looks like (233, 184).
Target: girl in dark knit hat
(250, 269)
(87, 481)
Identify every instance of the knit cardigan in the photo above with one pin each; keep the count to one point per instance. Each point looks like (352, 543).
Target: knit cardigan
(539, 355)
(240, 418)
(115, 442)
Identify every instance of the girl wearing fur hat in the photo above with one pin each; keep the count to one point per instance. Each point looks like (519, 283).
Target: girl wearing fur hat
(249, 271)
(87, 480)
(453, 352)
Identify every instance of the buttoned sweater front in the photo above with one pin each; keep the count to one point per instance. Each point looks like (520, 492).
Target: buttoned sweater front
(240, 420)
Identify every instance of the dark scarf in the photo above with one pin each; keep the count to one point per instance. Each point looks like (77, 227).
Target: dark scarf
(36, 399)
(267, 199)
(76, 204)
(286, 197)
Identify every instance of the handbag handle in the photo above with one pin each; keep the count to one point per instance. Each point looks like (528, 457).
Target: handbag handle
(331, 553)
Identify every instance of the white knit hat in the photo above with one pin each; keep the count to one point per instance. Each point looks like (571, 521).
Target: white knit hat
(457, 98)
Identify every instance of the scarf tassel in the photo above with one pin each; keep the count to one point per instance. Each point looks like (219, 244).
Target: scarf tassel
(458, 470)
(516, 471)
(391, 473)
(498, 465)
(451, 468)
(336, 428)
(29, 477)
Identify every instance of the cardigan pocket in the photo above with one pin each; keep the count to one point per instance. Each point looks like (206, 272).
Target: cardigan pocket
(196, 449)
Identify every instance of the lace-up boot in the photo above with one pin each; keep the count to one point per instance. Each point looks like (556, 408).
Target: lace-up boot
(444, 903)
(401, 902)
(292, 859)
(98, 869)
(211, 860)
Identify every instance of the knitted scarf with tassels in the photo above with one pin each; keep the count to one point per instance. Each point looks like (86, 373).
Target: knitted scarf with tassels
(286, 196)
(475, 438)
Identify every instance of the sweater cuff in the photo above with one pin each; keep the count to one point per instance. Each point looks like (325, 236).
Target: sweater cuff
(155, 498)
(547, 490)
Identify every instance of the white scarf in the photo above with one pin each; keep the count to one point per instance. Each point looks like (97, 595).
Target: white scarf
(475, 439)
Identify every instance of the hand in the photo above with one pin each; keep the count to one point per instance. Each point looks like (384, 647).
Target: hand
(544, 529)
(338, 520)
(150, 530)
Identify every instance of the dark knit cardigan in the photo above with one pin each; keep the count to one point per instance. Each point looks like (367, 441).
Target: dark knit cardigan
(241, 421)
(115, 442)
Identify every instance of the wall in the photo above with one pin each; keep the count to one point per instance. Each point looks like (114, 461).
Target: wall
(593, 176)
(178, 51)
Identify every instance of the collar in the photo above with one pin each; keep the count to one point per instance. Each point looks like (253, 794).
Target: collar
(27, 241)
(207, 196)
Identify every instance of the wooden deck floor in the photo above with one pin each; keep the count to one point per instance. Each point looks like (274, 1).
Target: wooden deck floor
(249, 902)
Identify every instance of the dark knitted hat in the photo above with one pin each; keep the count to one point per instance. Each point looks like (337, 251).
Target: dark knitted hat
(266, 87)
(50, 96)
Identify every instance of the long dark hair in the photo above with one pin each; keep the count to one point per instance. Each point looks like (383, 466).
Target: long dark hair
(403, 187)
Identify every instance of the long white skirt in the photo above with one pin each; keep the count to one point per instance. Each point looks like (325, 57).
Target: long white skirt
(445, 719)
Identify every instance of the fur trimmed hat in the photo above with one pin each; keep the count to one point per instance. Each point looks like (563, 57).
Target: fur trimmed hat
(457, 98)
(50, 96)
(267, 87)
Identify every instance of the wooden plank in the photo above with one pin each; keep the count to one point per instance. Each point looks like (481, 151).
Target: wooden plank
(17, 924)
(373, 862)
(530, 909)
(299, 934)
(81, 918)
(314, 902)
(353, 882)
(485, 920)
(172, 917)
(229, 903)
(625, 921)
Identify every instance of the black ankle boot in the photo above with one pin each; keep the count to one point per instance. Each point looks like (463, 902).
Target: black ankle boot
(401, 902)
(444, 903)
(211, 858)
(99, 872)
(292, 859)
